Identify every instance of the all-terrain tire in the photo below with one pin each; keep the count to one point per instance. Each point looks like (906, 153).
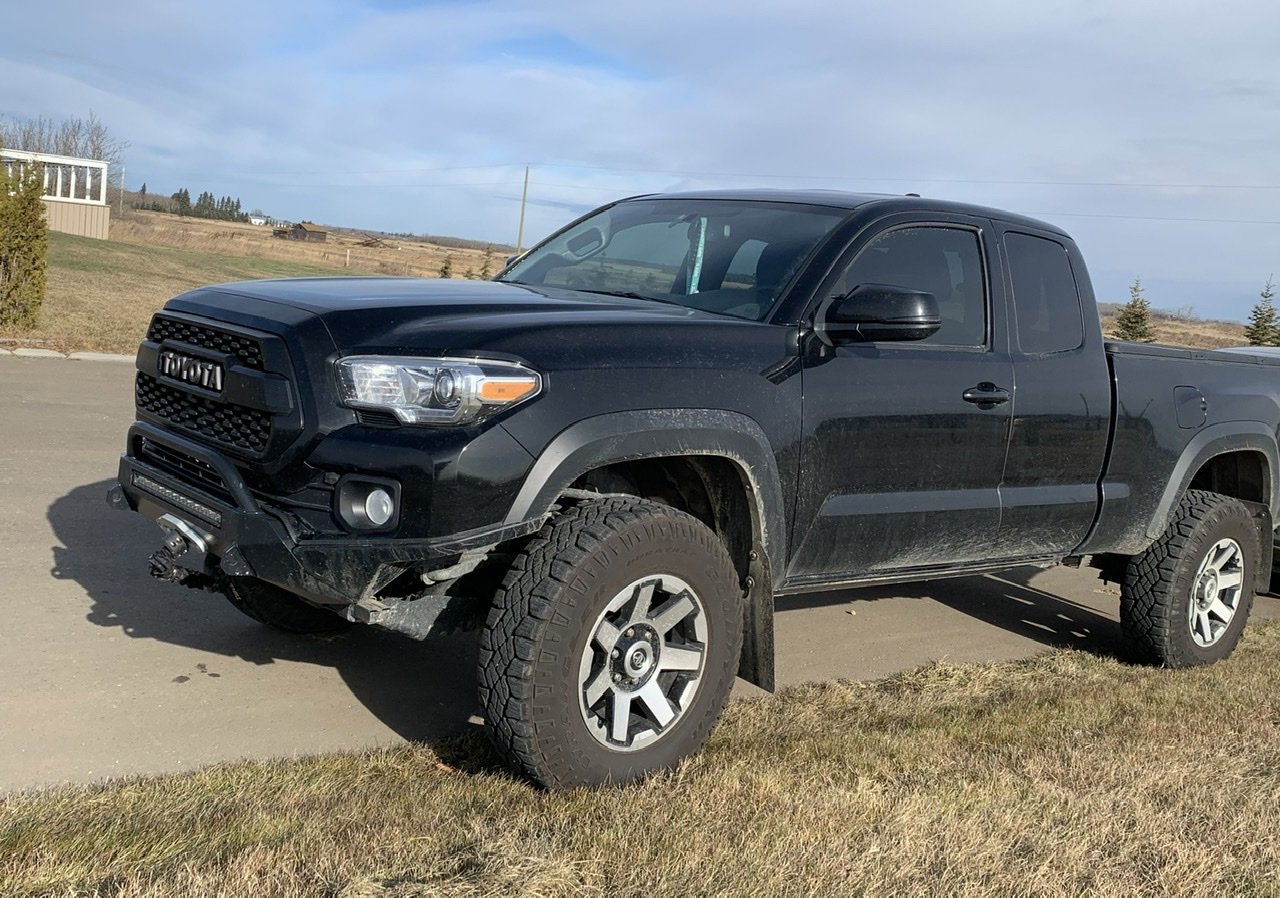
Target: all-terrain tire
(280, 609)
(550, 645)
(1167, 610)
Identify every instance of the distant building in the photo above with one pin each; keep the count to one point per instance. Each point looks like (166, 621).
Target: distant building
(75, 191)
(307, 231)
(257, 219)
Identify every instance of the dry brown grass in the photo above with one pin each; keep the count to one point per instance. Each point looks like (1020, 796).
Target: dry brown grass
(1190, 332)
(1069, 774)
(407, 258)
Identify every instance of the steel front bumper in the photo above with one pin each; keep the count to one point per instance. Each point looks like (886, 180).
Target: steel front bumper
(242, 535)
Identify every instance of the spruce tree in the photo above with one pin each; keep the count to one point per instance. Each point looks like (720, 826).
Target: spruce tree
(1134, 321)
(486, 267)
(24, 243)
(446, 267)
(1264, 327)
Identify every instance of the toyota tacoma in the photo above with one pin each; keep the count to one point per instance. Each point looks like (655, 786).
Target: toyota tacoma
(616, 454)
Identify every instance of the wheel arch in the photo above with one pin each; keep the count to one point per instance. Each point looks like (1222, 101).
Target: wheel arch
(1240, 463)
(717, 465)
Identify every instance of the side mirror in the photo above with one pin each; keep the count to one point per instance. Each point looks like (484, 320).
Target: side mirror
(873, 312)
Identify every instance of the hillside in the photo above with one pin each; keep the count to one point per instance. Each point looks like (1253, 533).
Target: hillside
(1182, 330)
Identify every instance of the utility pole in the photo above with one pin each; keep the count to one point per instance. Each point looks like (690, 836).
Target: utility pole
(524, 199)
(121, 212)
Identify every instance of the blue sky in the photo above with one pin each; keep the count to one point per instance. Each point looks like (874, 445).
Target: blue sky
(1149, 130)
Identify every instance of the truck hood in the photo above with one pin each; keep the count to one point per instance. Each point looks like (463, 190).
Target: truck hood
(413, 315)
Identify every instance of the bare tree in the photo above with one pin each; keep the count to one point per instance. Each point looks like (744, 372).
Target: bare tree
(86, 138)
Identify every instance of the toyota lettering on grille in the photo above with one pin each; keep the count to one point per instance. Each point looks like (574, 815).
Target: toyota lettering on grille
(190, 369)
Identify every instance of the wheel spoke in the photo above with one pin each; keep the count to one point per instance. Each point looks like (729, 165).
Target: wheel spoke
(644, 599)
(607, 635)
(598, 686)
(672, 612)
(1222, 553)
(1228, 579)
(1203, 625)
(652, 697)
(1221, 610)
(620, 718)
(675, 657)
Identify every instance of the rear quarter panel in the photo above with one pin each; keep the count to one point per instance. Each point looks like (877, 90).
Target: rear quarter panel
(1174, 410)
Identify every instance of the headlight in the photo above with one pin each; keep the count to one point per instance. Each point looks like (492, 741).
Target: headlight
(435, 391)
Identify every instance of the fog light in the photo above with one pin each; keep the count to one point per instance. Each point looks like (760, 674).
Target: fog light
(379, 507)
(363, 503)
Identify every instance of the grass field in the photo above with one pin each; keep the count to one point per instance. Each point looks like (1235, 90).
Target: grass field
(1069, 774)
(102, 292)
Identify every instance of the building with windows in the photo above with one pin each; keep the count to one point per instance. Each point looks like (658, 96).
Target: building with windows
(75, 191)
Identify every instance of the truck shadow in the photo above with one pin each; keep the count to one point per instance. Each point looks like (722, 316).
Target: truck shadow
(1011, 601)
(1008, 600)
(421, 690)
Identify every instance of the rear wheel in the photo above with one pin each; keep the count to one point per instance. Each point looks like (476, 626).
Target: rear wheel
(280, 609)
(612, 645)
(1186, 599)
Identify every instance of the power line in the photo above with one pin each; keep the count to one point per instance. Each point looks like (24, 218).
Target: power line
(1250, 221)
(1011, 182)
(899, 180)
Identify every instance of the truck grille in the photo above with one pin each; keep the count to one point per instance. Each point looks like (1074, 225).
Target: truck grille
(246, 349)
(227, 424)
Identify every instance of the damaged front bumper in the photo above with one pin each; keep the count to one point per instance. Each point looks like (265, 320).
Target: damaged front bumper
(207, 510)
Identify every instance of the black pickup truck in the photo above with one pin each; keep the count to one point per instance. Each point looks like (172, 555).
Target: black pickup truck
(614, 456)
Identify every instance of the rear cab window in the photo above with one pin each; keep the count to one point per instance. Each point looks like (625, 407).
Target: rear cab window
(1045, 297)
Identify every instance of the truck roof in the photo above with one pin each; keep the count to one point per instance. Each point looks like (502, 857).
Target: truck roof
(842, 199)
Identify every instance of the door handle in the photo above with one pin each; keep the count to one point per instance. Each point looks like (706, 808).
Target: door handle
(986, 395)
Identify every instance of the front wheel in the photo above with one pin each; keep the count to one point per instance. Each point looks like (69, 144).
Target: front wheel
(611, 648)
(1186, 599)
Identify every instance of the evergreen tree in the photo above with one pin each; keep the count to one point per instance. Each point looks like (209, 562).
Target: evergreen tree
(486, 268)
(205, 207)
(446, 267)
(142, 194)
(1134, 321)
(1264, 327)
(24, 243)
(182, 202)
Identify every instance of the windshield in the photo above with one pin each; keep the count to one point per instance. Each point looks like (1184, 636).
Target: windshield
(727, 256)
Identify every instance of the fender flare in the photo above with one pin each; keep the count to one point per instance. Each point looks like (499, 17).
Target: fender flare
(1218, 439)
(659, 433)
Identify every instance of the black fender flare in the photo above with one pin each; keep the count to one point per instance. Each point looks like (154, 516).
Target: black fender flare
(1218, 439)
(665, 433)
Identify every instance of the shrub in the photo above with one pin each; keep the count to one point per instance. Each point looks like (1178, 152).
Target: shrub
(24, 242)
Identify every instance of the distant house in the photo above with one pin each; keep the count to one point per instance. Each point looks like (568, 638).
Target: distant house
(257, 219)
(307, 231)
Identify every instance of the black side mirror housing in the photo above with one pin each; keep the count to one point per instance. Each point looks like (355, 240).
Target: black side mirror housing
(879, 312)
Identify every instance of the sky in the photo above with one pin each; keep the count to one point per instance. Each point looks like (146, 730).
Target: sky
(1150, 131)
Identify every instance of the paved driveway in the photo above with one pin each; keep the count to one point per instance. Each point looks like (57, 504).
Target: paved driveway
(107, 672)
